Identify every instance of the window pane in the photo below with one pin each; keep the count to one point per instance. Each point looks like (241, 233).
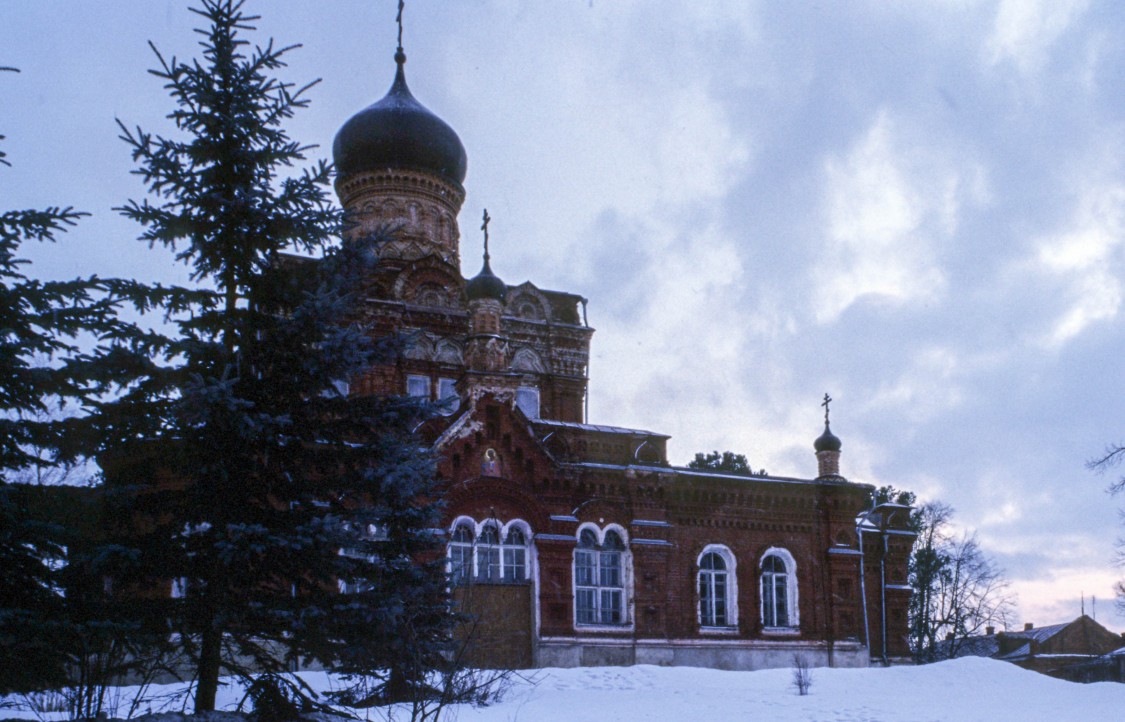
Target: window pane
(706, 615)
(611, 606)
(527, 399)
(712, 561)
(488, 563)
(418, 386)
(584, 599)
(768, 616)
(782, 603)
(584, 568)
(515, 565)
(610, 563)
(447, 395)
(720, 582)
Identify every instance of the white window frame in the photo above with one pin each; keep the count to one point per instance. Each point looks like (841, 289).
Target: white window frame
(416, 383)
(515, 559)
(730, 588)
(460, 554)
(527, 399)
(447, 395)
(791, 591)
(488, 556)
(607, 597)
(499, 563)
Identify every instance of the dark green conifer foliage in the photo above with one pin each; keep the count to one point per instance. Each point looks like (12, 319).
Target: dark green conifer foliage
(40, 366)
(253, 466)
(728, 461)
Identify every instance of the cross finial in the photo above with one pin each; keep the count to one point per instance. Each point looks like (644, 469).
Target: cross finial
(827, 400)
(398, 19)
(484, 227)
(400, 56)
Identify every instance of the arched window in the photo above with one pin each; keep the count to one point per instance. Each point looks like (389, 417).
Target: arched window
(599, 578)
(461, 553)
(718, 590)
(515, 556)
(488, 554)
(779, 590)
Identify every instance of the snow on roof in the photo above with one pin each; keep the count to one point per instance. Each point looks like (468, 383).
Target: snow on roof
(596, 428)
(1039, 634)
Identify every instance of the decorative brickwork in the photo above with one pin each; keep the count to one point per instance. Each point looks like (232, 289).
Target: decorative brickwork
(629, 559)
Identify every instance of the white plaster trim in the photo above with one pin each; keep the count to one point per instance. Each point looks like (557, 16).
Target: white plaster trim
(731, 600)
(791, 592)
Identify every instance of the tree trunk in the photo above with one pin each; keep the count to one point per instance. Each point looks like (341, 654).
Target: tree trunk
(210, 654)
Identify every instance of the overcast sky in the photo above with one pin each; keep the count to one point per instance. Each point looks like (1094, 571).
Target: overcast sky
(916, 207)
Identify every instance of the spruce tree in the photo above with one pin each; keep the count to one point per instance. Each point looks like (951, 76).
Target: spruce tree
(250, 465)
(42, 366)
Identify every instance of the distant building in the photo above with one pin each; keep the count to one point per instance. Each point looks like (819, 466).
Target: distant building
(576, 543)
(1072, 650)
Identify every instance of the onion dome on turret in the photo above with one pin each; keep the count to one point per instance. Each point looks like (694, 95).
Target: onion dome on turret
(486, 284)
(827, 441)
(399, 132)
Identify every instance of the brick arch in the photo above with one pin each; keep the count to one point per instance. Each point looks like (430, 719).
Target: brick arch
(425, 280)
(596, 508)
(478, 497)
(527, 302)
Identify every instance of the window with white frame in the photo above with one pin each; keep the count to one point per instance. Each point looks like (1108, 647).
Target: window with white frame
(418, 386)
(718, 590)
(461, 553)
(599, 578)
(447, 395)
(779, 590)
(527, 399)
(490, 552)
(515, 556)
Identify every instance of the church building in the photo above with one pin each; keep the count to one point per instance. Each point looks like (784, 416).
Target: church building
(576, 543)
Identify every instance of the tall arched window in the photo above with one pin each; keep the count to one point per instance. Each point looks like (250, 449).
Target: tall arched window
(488, 554)
(599, 578)
(461, 553)
(515, 556)
(779, 590)
(718, 591)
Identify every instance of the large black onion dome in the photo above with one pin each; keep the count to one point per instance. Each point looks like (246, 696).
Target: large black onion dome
(485, 284)
(827, 441)
(399, 132)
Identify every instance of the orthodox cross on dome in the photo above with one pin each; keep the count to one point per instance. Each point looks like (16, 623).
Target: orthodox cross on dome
(400, 56)
(484, 227)
(827, 400)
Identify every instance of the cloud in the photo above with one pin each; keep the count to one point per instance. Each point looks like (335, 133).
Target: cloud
(887, 203)
(1025, 30)
(1087, 257)
(930, 386)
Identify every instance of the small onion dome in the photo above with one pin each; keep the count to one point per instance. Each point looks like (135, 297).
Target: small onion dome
(399, 132)
(827, 441)
(485, 284)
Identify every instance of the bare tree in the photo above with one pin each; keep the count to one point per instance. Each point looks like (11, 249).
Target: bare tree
(958, 590)
(1113, 456)
(973, 592)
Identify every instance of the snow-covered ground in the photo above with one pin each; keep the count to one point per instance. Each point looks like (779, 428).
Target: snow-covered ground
(964, 689)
